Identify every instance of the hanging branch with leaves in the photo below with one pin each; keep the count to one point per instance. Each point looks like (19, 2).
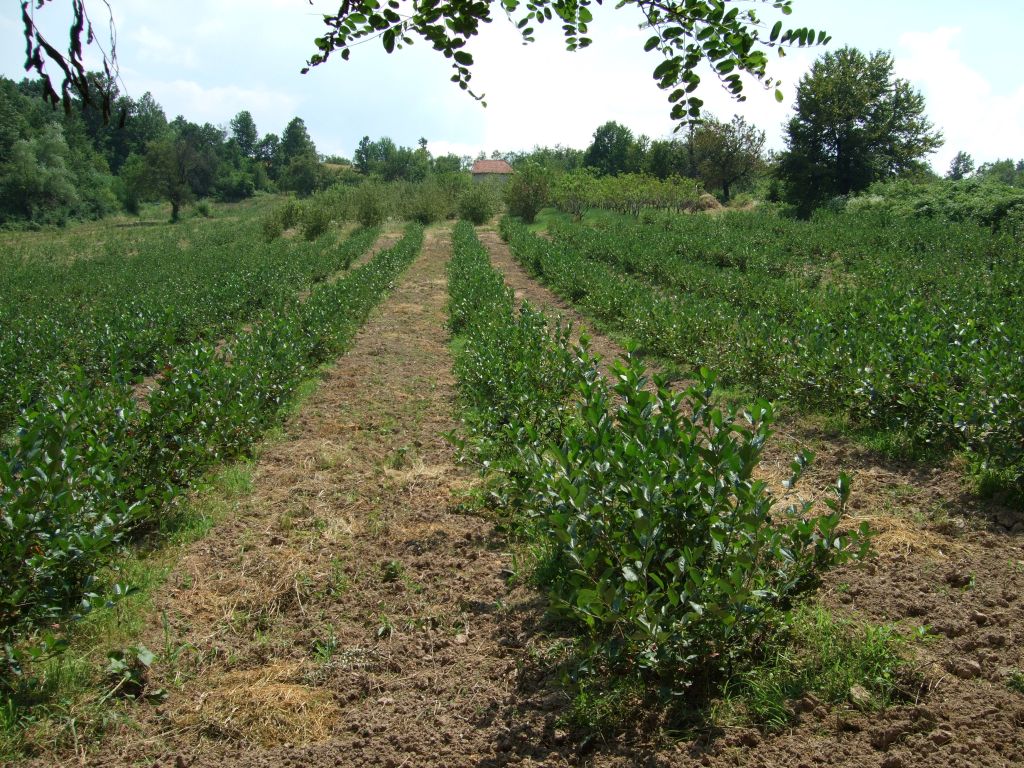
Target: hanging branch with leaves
(90, 88)
(688, 33)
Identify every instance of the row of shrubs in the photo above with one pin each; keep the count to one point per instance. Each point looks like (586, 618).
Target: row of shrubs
(990, 203)
(372, 203)
(651, 535)
(91, 464)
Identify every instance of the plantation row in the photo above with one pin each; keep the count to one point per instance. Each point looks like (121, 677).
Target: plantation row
(118, 314)
(914, 329)
(650, 534)
(90, 465)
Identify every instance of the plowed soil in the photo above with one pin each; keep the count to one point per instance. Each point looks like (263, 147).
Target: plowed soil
(351, 614)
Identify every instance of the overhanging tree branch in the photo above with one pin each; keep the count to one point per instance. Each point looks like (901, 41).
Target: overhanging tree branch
(76, 79)
(688, 33)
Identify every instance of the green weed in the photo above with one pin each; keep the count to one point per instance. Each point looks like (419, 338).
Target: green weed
(817, 653)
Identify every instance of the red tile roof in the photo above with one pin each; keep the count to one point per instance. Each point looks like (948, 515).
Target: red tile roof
(491, 166)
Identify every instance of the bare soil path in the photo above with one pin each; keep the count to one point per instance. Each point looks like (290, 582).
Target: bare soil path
(349, 614)
(945, 560)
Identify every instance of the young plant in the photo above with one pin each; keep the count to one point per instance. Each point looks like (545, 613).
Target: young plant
(662, 546)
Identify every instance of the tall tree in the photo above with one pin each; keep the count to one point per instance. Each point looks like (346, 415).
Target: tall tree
(446, 164)
(556, 159)
(35, 179)
(268, 150)
(855, 123)
(527, 191)
(362, 158)
(728, 154)
(666, 157)
(167, 172)
(243, 131)
(144, 122)
(205, 142)
(961, 167)
(295, 141)
(612, 150)
(1005, 171)
(302, 175)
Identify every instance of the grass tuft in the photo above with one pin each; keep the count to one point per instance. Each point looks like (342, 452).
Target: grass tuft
(822, 655)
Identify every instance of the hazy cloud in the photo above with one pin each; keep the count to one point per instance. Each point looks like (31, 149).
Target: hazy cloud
(154, 47)
(218, 104)
(962, 102)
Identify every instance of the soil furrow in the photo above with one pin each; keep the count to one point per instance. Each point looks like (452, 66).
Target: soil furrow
(349, 614)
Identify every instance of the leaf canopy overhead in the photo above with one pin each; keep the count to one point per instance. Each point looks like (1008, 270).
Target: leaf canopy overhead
(728, 35)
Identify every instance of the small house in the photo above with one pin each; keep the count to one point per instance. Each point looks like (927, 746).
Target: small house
(495, 171)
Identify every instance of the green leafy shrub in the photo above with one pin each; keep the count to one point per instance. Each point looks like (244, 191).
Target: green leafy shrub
(235, 186)
(978, 200)
(286, 217)
(370, 204)
(428, 204)
(270, 226)
(477, 204)
(657, 541)
(527, 191)
(1013, 224)
(316, 220)
(661, 545)
(68, 486)
(290, 213)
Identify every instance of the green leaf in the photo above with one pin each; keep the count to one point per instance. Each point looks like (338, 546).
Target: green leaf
(144, 655)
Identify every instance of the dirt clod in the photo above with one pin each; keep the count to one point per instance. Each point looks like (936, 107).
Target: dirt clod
(883, 738)
(860, 697)
(958, 579)
(965, 669)
(940, 737)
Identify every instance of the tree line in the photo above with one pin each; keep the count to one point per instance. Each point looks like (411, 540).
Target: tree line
(56, 166)
(854, 124)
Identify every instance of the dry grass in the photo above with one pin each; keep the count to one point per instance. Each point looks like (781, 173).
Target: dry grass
(267, 706)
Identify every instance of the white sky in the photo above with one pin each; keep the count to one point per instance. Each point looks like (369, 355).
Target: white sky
(208, 60)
